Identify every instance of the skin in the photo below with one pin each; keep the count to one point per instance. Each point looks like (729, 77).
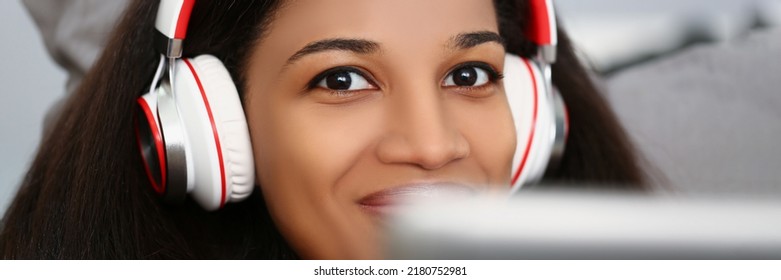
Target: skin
(320, 152)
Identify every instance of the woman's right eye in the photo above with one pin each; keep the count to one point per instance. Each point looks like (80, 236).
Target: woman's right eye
(342, 79)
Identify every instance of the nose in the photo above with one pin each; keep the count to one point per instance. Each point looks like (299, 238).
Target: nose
(420, 132)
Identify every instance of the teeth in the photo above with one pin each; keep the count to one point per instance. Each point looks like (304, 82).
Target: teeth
(436, 192)
(418, 193)
(445, 192)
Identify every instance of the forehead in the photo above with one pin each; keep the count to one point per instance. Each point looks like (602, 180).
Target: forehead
(393, 23)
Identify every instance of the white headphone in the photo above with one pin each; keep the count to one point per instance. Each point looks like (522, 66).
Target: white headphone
(210, 155)
(539, 112)
(193, 133)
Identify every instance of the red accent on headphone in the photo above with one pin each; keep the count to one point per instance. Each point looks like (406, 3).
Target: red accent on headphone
(158, 186)
(214, 130)
(184, 19)
(534, 122)
(539, 29)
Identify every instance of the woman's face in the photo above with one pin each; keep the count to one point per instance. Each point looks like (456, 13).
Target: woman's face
(354, 104)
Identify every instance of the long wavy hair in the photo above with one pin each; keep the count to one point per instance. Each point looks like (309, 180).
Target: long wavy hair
(86, 195)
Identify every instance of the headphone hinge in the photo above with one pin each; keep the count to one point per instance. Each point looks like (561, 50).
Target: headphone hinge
(171, 48)
(547, 54)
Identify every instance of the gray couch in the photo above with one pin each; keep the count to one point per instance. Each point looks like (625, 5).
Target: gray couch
(709, 116)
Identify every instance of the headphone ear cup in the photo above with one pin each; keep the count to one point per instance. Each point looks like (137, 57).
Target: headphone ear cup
(217, 135)
(532, 111)
(162, 142)
(150, 141)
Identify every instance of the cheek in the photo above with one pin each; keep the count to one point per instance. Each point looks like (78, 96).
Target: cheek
(312, 144)
(303, 149)
(490, 131)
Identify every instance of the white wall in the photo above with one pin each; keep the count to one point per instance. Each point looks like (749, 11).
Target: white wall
(31, 82)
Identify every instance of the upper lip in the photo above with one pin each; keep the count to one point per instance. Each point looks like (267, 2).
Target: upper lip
(393, 195)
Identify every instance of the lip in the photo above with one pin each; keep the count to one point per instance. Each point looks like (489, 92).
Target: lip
(388, 200)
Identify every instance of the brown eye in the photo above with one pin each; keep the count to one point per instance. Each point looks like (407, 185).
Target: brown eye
(338, 81)
(343, 80)
(467, 76)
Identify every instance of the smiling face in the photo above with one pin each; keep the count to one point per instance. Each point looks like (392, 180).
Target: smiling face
(353, 104)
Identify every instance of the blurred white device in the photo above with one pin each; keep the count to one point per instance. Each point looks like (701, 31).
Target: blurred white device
(566, 225)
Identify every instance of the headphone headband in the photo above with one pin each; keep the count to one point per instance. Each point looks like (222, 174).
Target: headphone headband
(542, 28)
(171, 23)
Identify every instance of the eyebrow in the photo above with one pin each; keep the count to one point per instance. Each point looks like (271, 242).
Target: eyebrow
(472, 39)
(360, 46)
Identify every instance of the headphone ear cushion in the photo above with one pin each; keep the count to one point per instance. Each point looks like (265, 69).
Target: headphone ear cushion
(217, 132)
(150, 142)
(530, 107)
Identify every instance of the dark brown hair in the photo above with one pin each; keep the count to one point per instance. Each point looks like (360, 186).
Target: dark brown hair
(86, 194)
